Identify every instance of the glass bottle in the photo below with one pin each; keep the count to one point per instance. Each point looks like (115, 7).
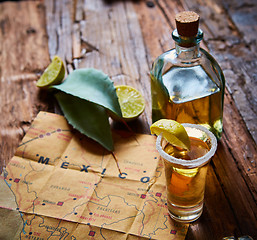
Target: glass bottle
(187, 84)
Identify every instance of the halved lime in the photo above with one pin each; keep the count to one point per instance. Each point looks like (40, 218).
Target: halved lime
(131, 102)
(172, 131)
(53, 74)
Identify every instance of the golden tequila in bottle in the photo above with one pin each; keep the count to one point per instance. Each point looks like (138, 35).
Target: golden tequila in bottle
(187, 84)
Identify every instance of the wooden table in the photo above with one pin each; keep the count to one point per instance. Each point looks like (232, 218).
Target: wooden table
(122, 38)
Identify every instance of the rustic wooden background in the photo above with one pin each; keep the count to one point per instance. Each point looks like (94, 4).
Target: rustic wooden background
(122, 38)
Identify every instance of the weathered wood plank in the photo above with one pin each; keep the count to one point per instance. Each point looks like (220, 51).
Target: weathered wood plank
(217, 220)
(23, 55)
(156, 30)
(241, 146)
(59, 19)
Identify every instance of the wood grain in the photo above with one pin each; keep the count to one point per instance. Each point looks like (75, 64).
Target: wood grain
(23, 56)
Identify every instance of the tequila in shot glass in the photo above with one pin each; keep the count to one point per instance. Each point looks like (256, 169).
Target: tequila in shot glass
(186, 171)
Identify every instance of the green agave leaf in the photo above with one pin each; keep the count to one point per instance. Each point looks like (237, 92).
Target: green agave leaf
(87, 117)
(92, 85)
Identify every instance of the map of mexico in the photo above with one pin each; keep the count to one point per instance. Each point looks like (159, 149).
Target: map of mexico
(68, 187)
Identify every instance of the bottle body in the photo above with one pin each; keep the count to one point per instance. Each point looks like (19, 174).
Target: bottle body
(187, 85)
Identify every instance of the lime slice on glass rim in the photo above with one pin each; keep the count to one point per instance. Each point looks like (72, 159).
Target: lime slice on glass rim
(53, 74)
(131, 102)
(172, 131)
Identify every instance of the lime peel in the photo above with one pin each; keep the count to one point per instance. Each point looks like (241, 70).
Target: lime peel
(131, 102)
(172, 131)
(53, 74)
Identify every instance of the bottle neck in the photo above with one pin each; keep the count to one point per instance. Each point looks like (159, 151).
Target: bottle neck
(187, 52)
(187, 47)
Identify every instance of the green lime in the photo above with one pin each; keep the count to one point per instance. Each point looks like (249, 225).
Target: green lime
(53, 74)
(172, 131)
(131, 102)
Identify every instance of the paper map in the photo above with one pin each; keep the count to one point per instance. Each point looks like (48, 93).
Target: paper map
(66, 186)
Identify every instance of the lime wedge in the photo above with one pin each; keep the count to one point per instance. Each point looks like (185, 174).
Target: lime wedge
(53, 74)
(172, 131)
(131, 102)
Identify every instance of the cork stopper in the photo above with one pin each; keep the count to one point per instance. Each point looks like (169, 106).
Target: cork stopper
(187, 23)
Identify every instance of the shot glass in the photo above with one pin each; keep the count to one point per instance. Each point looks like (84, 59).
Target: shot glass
(185, 172)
